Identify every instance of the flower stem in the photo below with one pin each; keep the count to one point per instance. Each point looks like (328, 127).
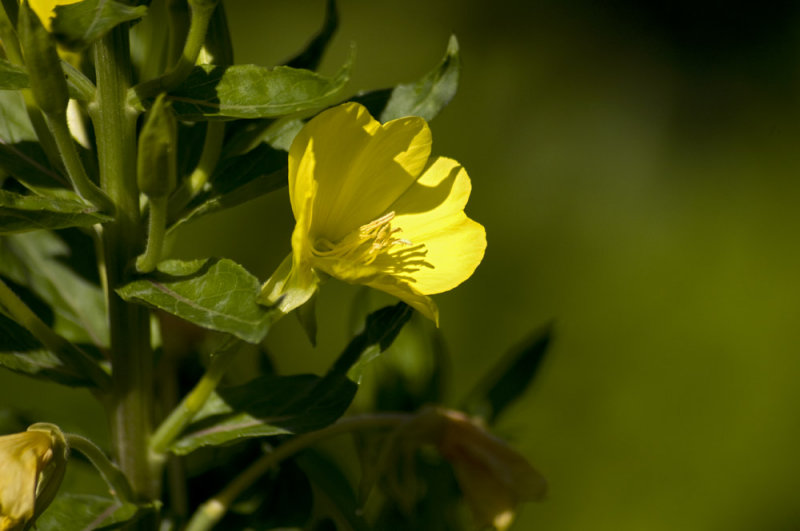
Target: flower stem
(68, 353)
(111, 474)
(192, 402)
(72, 162)
(155, 235)
(212, 511)
(212, 148)
(131, 405)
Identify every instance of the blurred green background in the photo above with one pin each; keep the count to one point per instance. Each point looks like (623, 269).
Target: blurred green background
(636, 167)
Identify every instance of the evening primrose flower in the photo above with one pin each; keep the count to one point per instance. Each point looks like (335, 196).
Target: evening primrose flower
(32, 465)
(46, 9)
(371, 208)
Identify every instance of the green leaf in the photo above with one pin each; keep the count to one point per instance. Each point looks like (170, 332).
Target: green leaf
(80, 512)
(12, 77)
(425, 97)
(311, 56)
(510, 377)
(78, 25)
(276, 405)
(15, 126)
(430, 94)
(267, 406)
(237, 180)
(27, 163)
(250, 91)
(22, 353)
(22, 213)
(37, 260)
(214, 293)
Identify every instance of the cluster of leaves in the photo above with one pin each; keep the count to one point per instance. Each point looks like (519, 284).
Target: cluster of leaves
(48, 257)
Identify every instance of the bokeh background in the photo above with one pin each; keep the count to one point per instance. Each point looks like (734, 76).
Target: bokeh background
(636, 167)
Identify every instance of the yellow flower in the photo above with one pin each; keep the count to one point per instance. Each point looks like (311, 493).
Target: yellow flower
(371, 208)
(493, 478)
(45, 9)
(32, 465)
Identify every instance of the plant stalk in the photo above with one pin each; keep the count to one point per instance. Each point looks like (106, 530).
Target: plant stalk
(131, 406)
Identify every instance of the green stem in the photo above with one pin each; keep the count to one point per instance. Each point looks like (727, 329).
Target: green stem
(157, 227)
(81, 85)
(131, 405)
(72, 162)
(212, 511)
(192, 402)
(68, 353)
(212, 148)
(201, 16)
(112, 475)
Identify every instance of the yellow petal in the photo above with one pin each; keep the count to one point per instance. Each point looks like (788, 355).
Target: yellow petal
(45, 9)
(360, 165)
(431, 212)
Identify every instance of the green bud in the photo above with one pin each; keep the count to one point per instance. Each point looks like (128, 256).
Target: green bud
(156, 162)
(48, 84)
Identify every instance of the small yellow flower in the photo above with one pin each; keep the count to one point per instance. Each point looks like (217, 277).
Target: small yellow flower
(371, 208)
(493, 477)
(32, 465)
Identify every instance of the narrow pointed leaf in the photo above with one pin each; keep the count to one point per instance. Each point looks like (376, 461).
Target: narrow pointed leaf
(37, 260)
(510, 378)
(218, 294)
(267, 406)
(250, 91)
(430, 94)
(275, 405)
(78, 25)
(79, 512)
(22, 213)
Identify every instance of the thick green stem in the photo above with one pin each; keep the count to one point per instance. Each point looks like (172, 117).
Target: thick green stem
(72, 162)
(68, 353)
(131, 354)
(212, 511)
(192, 402)
(113, 476)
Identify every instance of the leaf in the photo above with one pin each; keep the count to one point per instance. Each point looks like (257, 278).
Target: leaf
(237, 180)
(22, 353)
(12, 77)
(22, 213)
(510, 377)
(430, 94)
(276, 405)
(37, 260)
(311, 56)
(266, 406)
(425, 97)
(83, 512)
(213, 293)
(15, 126)
(250, 91)
(78, 25)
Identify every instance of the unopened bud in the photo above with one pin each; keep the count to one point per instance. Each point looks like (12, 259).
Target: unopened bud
(156, 162)
(32, 465)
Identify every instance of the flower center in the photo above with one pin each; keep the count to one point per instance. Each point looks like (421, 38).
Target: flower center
(372, 249)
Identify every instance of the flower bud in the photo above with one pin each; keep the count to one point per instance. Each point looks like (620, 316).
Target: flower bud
(32, 465)
(156, 162)
(48, 84)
